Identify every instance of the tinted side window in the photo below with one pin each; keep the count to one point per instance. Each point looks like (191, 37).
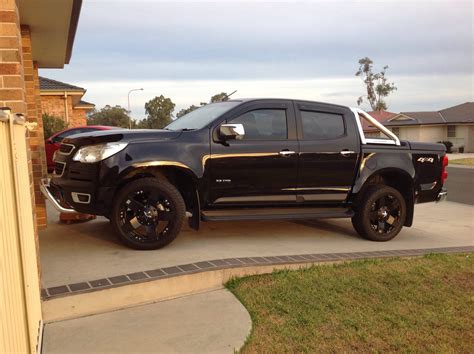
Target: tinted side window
(264, 124)
(320, 125)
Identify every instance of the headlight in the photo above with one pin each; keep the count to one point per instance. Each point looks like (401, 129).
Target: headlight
(95, 153)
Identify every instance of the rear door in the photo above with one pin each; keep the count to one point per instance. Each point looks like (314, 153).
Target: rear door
(329, 151)
(261, 168)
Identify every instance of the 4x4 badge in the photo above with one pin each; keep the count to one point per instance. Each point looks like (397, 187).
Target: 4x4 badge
(425, 159)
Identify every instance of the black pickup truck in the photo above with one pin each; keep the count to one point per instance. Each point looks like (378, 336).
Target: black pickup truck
(253, 159)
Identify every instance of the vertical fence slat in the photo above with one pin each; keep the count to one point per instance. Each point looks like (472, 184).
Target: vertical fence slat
(14, 325)
(29, 257)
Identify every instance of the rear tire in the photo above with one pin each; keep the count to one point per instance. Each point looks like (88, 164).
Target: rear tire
(148, 213)
(381, 213)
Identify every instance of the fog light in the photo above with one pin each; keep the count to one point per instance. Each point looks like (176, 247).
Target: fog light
(81, 198)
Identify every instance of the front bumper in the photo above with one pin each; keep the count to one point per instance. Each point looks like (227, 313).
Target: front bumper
(442, 196)
(68, 196)
(54, 197)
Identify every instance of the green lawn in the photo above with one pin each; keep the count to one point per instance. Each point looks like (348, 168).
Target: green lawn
(468, 161)
(410, 305)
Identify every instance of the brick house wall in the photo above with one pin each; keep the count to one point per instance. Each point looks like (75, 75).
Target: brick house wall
(79, 117)
(36, 136)
(19, 90)
(12, 84)
(57, 106)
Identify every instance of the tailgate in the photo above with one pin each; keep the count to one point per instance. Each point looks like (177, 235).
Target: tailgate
(428, 162)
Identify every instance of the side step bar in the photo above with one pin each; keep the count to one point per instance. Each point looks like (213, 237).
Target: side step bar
(275, 214)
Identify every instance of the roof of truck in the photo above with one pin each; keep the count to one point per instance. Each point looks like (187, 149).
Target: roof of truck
(284, 99)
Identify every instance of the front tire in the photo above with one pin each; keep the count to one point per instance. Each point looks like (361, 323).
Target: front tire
(148, 214)
(380, 214)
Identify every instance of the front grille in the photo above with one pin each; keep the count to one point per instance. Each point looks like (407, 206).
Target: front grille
(66, 149)
(59, 168)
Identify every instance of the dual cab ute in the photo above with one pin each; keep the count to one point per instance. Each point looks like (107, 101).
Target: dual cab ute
(254, 159)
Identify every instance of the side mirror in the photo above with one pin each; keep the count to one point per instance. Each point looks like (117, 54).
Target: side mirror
(231, 131)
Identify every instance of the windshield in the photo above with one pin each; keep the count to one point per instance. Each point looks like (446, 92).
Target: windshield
(202, 116)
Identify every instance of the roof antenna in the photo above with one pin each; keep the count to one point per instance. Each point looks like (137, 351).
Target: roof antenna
(230, 94)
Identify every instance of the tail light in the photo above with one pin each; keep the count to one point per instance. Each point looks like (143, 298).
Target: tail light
(444, 174)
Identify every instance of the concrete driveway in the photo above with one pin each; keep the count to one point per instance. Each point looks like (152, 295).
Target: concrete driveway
(85, 251)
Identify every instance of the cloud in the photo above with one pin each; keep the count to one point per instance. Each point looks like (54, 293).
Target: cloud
(194, 49)
(449, 90)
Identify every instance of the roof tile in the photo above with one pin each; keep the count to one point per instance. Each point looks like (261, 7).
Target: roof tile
(380, 116)
(461, 113)
(54, 85)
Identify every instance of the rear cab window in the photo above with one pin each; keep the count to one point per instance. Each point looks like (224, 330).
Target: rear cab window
(322, 125)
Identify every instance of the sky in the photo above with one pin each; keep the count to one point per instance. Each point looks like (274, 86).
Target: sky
(190, 50)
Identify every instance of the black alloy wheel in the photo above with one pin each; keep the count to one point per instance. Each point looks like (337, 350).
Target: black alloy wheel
(148, 213)
(380, 214)
(385, 214)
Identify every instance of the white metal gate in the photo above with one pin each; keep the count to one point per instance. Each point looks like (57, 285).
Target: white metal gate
(20, 304)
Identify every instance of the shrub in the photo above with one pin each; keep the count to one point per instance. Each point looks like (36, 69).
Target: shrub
(448, 144)
(52, 125)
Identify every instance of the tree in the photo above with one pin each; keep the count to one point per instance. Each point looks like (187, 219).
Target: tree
(52, 125)
(115, 116)
(376, 83)
(220, 97)
(159, 112)
(186, 111)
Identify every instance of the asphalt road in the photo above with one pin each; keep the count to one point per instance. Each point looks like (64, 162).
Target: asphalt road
(460, 185)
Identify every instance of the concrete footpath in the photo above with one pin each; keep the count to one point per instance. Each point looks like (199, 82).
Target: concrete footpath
(457, 156)
(211, 322)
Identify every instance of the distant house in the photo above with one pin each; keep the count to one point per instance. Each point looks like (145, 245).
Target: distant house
(64, 101)
(454, 124)
(380, 116)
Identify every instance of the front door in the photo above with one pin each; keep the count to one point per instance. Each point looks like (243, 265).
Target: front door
(329, 151)
(260, 168)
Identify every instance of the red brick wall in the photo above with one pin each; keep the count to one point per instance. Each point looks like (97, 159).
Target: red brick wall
(36, 137)
(12, 86)
(18, 91)
(79, 118)
(55, 105)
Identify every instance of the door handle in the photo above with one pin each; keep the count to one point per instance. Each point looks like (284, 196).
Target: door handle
(286, 153)
(346, 153)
